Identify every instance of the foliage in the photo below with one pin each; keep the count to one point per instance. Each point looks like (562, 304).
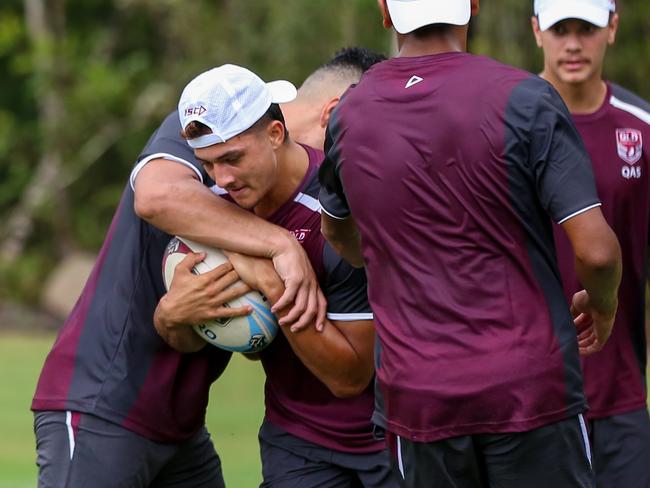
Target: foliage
(81, 98)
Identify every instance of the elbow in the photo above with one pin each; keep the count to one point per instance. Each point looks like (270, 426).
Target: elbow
(603, 256)
(343, 248)
(149, 204)
(349, 387)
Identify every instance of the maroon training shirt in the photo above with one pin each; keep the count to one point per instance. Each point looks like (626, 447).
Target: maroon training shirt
(615, 136)
(453, 166)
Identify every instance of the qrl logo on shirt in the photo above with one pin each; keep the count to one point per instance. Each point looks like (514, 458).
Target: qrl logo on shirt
(629, 143)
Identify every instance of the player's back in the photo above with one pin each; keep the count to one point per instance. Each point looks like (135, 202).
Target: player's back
(449, 164)
(108, 359)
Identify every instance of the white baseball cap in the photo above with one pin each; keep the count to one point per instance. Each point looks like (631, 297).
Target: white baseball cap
(229, 100)
(550, 12)
(409, 15)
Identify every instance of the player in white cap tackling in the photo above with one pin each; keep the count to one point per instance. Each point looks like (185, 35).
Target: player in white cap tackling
(317, 429)
(614, 124)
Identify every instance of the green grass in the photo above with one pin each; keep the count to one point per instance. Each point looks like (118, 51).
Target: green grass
(234, 415)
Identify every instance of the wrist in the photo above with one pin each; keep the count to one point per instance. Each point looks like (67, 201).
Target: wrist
(282, 242)
(162, 316)
(271, 286)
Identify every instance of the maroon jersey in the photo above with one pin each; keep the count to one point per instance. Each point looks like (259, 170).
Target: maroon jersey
(108, 359)
(615, 136)
(296, 400)
(453, 166)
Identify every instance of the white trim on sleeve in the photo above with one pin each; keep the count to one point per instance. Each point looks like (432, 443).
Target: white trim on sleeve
(308, 201)
(350, 317)
(169, 157)
(579, 212)
(332, 215)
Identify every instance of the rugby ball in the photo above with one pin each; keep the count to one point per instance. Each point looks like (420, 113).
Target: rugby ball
(247, 334)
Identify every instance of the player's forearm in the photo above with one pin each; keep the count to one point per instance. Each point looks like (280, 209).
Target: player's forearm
(329, 355)
(332, 359)
(599, 271)
(178, 204)
(343, 236)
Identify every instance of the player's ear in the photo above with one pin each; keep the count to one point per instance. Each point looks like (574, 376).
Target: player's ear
(613, 29)
(326, 111)
(386, 20)
(475, 7)
(276, 133)
(534, 22)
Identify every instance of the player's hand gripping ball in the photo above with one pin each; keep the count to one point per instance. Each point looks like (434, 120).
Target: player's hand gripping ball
(247, 334)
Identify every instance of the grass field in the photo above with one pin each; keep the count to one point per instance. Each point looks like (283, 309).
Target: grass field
(235, 413)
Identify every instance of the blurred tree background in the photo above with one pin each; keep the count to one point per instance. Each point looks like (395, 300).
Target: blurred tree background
(85, 82)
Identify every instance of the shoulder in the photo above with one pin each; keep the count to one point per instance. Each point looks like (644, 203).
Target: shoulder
(630, 103)
(167, 139)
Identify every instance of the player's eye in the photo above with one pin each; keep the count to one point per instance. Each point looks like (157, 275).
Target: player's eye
(559, 29)
(587, 28)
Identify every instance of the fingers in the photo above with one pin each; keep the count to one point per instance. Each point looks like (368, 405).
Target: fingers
(309, 314)
(190, 260)
(299, 306)
(232, 293)
(219, 271)
(287, 298)
(582, 321)
(322, 311)
(228, 312)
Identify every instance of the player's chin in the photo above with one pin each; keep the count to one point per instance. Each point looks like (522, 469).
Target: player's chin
(245, 200)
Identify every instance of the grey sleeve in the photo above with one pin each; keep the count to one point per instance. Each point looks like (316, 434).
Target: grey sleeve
(345, 289)
(331, 196)
(166, 143)
(564, 175)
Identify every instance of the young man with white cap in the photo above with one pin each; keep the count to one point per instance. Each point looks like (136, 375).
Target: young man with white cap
(115, 405)
(443, 171)
(317, 429)
(614, 124)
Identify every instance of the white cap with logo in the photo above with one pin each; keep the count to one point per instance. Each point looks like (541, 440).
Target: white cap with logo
(550, 12)
(409, 15)
(229, 100)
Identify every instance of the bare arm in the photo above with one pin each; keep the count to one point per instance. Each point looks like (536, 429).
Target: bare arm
(598, 267)
(341, 356)
(169, 196)
(343, 236)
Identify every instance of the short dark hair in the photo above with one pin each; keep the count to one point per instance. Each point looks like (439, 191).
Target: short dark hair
(358, 58)
(197, 129)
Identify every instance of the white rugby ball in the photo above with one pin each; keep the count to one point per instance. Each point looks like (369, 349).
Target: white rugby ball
(249, 333)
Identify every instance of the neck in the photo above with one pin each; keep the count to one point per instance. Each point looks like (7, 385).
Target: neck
(303, 122)
(453, 39)
(580, 98)
(293, 162)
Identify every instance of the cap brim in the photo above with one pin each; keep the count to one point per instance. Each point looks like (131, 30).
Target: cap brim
(574, 10)
(282, 91)
(409, 15)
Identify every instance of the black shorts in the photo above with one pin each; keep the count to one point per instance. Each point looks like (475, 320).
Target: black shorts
(621, 447)
(78, 450)
(288, 461)
(556, 456)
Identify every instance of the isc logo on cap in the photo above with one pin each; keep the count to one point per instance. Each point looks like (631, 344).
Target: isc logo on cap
(195, 111)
